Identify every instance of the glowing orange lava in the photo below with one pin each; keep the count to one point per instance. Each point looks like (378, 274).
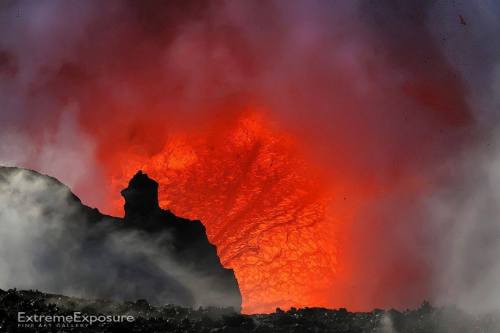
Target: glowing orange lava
(264, 207)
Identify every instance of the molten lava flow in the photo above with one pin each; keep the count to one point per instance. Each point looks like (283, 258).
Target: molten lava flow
(263, 206)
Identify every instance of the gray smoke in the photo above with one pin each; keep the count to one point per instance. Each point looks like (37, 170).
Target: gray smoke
(465, 218)
(46, 244)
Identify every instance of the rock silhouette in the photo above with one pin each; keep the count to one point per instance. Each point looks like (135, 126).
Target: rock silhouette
(187, 241)
(141, 197)
(67, 247)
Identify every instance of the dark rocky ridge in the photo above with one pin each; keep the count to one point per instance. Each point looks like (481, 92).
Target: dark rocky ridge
(72, 249)
(148, 318)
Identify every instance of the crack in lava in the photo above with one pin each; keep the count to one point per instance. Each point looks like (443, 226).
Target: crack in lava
(263, 206)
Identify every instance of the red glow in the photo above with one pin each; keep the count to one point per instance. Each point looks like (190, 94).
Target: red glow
(301, 199)
(264, 207)
(278, 219)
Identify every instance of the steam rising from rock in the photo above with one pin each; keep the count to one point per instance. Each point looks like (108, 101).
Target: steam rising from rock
(49, 241)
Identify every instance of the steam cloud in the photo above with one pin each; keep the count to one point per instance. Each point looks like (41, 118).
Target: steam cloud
(46, 244)
(384, 92)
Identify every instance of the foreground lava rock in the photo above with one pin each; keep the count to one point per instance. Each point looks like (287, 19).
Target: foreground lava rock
(148, 318)
(49, 240)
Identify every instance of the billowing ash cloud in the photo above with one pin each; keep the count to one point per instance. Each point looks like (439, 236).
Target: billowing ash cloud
(330, 71)
(400, 98)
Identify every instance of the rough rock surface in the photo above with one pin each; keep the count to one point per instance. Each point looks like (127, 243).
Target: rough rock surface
(148, 318)
(51, 241)
(187, 242)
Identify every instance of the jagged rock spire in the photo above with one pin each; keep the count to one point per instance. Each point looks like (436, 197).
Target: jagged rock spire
(141, 196)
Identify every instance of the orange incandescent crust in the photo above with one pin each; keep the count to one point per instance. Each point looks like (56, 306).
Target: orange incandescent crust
(263, 206)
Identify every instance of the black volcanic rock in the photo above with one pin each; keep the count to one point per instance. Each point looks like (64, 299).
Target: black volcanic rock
(141, 197)
(186, 240)
(150, 318)
(59, 245)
